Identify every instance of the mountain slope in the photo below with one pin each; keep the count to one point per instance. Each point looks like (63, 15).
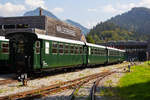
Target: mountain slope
(36, 13)
(136, 20)
(132, 25)
(84, 29)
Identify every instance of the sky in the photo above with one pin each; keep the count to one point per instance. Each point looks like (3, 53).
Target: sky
(85, 12)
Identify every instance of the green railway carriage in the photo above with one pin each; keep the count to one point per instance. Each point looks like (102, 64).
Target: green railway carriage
(4, 53)
(30, 52)
(96, 54)
(122, 55)
(54, 52)
(115, 55)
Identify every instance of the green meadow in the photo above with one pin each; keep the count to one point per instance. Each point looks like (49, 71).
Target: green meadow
(135, 85)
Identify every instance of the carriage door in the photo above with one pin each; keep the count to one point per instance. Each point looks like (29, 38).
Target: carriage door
(37, 55)
(21, 52)
(85, 55)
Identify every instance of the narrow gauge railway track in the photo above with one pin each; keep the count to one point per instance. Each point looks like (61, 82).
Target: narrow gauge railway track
(95, 84)
(45, 91)
(93, 89)
(37, 93)
(8, 81)
(72, 96)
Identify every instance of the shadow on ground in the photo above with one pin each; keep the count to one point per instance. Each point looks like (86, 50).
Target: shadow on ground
(139, 91)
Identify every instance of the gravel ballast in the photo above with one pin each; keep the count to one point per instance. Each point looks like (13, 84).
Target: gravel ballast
(14, 88)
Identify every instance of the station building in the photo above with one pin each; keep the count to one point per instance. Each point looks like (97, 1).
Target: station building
(135, 50)
(40, 25)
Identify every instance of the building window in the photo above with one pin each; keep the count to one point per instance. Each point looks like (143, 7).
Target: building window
(9, 26)
(22, 26)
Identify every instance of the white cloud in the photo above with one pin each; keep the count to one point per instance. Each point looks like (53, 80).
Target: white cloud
(35, 3)
(145, 3)
(57, 10)
(9, 9)
(120, 8)
(109, 9)
(92, 10)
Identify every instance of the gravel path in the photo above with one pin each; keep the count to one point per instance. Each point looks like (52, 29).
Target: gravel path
(49, 80)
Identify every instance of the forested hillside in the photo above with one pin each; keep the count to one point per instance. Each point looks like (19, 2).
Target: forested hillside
(132, 25)
(137, 20)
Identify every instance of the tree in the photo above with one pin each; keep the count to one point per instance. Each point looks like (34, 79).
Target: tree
(90, 39)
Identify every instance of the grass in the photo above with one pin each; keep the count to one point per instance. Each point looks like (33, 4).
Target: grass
(106, 92)
(136, 84)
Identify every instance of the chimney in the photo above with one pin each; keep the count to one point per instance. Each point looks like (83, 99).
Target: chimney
(40, 11)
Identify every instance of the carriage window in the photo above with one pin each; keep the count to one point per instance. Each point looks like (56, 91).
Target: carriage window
(81, 50)
(72, 49)
(46, 47)
(37, 45)
(54, 47)
(5, 47)
(95, 51)
(111, 53)
(100, 52)
(89, 51)
(61, 48)
(66, 48)
(37, 50)
(92, 52)
(76, 49)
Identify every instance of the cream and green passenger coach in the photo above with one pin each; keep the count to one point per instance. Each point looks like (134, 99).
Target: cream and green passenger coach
(31, 52)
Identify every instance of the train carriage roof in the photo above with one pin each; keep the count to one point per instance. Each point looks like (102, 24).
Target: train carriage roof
(94, 45)
(2, 38)
(115, 49)
(52, 38)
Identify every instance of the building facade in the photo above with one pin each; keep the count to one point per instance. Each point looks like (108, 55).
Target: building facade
(40, 25)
